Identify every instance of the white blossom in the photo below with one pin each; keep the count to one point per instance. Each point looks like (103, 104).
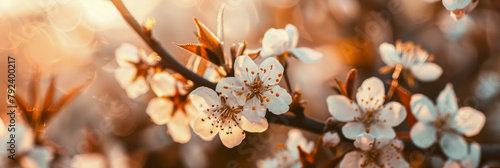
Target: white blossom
(470, 161)
(331, 139)
(444, 122)
(284, 41)
(257, 87)
(375, 152)
(367, 113)
(171, 107)
(222, 114)
(135, 69)
(411, 58)
(287, 156)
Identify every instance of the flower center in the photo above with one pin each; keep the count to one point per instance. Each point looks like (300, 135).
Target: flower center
(257, 87)
(442, 122)
(367, 118)
(224, 116)
(371, 158)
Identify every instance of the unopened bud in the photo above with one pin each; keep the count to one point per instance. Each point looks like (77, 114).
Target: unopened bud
(331, 139)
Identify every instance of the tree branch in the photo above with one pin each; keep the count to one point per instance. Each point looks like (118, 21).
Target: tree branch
(488, 151)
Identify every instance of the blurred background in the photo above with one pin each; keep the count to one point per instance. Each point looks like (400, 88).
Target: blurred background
(75, 39)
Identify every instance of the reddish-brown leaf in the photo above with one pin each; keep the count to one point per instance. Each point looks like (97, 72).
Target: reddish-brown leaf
(347, 89)
(49, 95)
(405, 97)
(209, 40)
(386, 69)
(200, 50)
(349, 83)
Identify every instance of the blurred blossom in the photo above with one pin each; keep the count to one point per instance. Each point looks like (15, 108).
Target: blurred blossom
(288, 155)
(375, 152)
(136, 69)
(256, 87)
(171, 107)
(282, 42)
(345, 11)
(454, 29)
(487, 85)
(27, 153)
(282, 3)
(24, 140)
(331, 139)
(412, 58)
(368, 113)
(459, 8)
(471, 160)
(222, 115)
(444, 122)
(93, 160)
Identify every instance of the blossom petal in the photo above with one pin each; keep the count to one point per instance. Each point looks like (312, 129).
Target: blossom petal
(277, 100)
(426, 72)
(124, 75)
(126, 54)
(392, 114)
(364, 141)
(352, 159)
(306, 54)
(392, 158)
(253, 110)
(203, 126)
(296, 138)
(232, 137)
(451, 164)
(203, 98)
(234, 86)
(379, 130)
(388, 54)
(259, 126)
(423, 108)
(371, 94)
(331, 139)
(472, 160)
(352, 129)
(245, 69)
(138, 88)
(163, 84)
(447, 101)
(341, 108)
(423, 135)
(453, 145)
(178, 127)
(469, 121)
(160, 110)
(293, 36)
(271, 71)
(275, 41)
(455, 4)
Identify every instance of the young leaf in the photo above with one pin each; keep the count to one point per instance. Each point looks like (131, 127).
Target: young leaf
(349, 83)
(201, 51)
(209, 48)
(347, 89)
